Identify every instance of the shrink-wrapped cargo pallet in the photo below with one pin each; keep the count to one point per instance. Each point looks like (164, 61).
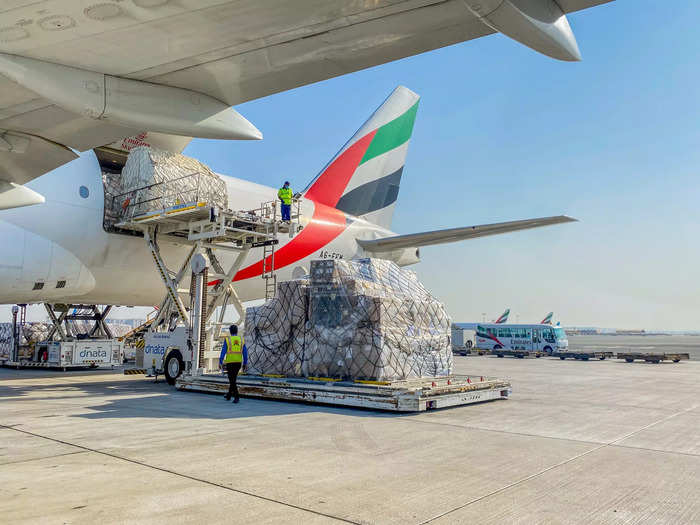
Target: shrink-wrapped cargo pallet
(34, 332)
(6, 340)
(365, 319)
(153, 180)
(29, 334)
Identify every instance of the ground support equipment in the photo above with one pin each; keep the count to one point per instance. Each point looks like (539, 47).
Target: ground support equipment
(584, 356)
(415, 395)
(63, 324)
(203, 282)
(652, 358)
(520, 354)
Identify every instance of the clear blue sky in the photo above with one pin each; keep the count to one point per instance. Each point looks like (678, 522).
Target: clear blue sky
(505, 133)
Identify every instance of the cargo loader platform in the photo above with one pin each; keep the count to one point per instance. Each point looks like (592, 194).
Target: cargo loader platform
(416, 395)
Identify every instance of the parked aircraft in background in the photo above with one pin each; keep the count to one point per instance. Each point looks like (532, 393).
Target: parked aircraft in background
(503, 318)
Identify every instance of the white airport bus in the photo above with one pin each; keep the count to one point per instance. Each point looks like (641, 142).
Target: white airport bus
(535, 337)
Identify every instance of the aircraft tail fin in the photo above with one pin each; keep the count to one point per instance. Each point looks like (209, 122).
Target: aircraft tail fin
(548, 318)
(504, 317)
(363, 178)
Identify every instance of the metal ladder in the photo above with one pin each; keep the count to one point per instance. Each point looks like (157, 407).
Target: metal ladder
(268, 271)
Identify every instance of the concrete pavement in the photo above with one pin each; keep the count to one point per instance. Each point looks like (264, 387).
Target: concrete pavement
(578, 442)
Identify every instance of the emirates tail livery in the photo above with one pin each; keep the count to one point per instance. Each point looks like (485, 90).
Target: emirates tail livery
(58, 251)
(548, 318)
(503, 318)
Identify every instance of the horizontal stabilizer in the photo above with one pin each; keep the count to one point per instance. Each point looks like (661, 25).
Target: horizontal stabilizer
(24, 157)
(15, 196)
(415, 240)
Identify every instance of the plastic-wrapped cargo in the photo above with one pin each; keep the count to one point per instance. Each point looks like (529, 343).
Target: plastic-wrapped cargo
(30, 333)
(272, 330)
(34, 332)
(364, 319)
(153, 179)
(6, 340)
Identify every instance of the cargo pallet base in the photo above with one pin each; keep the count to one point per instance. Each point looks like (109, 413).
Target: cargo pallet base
(398, 396)
(584, 356)
(49, 366)
(652, 358)
(520, 354)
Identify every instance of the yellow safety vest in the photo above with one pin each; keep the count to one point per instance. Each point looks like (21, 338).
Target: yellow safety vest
(286, 195)
(234, 349)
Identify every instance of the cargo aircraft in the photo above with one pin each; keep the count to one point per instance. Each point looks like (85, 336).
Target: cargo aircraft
(80, 86)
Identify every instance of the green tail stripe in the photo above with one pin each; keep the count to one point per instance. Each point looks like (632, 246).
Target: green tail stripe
(392, 134)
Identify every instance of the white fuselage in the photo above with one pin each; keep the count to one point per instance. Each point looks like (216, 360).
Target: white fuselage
(62, 244)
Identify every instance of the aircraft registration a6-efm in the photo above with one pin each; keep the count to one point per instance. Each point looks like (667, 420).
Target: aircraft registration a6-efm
(81, 83)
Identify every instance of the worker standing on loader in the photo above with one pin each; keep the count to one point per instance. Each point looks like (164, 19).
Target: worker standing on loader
(285, 195)
(234, 356)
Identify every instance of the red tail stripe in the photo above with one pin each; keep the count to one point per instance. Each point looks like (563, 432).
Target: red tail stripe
(330, 185)
(326, 224)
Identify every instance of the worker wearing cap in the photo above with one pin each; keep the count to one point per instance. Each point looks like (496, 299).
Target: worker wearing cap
(234, 356)
(285, 195)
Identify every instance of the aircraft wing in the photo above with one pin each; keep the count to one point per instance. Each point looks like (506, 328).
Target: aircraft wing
(415, 240)
(81, 75)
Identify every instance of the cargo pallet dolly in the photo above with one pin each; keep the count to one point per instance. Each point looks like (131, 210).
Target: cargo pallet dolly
(520, 354)
(416, 395)
(630, 357)
(584, 356)
(180, 340)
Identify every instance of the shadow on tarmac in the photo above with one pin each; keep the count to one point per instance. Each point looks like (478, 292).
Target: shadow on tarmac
(149, 399)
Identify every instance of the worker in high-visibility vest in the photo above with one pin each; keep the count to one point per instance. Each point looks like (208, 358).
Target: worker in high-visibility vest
(285, 195)
(234, 356)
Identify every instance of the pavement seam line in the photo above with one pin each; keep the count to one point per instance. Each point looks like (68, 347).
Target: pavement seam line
(524, 434)
(43, 457)
(675, 452)
(552, 467)
(186, 476)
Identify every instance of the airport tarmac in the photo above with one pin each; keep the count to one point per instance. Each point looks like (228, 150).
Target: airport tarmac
(689, 344)
(578, 442)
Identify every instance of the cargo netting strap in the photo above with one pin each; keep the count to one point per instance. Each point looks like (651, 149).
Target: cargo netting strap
(366, 319)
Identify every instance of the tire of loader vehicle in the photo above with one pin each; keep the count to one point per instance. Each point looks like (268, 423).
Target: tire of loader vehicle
(174, 365)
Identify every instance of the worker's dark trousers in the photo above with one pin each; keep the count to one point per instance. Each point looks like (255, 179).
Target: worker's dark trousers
(286, 212)
(232, 370)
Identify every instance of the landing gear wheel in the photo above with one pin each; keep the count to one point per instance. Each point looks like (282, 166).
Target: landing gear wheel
(173, 367)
